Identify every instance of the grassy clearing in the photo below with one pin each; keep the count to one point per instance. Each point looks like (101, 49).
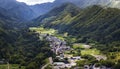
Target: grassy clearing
(78, 45)
(3, 66)
(43, 30)
(12, 66)
(67, 52)
(90, 52)
(47, 31)
(60, 37)
(80, 48)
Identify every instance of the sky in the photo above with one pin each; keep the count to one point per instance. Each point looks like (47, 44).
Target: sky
(33, 2)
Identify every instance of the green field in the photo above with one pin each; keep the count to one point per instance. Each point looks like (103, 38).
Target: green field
(3, 66)
(47, 31)
(90, 52)
(43, 30)
(11, 66)
(60, 37)
(77, 45)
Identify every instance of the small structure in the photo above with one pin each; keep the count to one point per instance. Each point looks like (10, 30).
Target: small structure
(96, 67)
(73, 64)
(86, 67)
(76, 58)
(87, 46)
(59, 65)
(68, 65)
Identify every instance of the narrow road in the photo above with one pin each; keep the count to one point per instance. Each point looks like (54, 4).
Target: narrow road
(45, 66)
(8, 65)
(50, 62)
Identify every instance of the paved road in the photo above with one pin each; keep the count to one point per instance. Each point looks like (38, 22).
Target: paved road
(45, 66)
(8, 65)
(50, 62)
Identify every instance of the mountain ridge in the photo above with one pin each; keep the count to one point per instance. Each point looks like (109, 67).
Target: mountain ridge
(88, 22)
(18, 9)
(27, 12)
(46, 7)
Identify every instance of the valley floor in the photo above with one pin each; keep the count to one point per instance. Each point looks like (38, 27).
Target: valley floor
(67, 56)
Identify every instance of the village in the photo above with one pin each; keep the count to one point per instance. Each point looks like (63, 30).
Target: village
(66, 61)
(65, 55)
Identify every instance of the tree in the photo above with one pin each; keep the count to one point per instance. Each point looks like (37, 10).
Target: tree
(107, 63)
(117, 66)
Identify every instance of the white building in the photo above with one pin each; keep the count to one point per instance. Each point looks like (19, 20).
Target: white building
(59, 65)
(76, 58)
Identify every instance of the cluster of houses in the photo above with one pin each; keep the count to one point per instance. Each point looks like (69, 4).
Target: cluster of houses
(95, 67)
(59, 47)
(71, 62)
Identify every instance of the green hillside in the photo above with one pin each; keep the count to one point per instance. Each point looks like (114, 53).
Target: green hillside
(99, 27)
(93, 24)
(97, 23)
(20, 45)
(57, 15)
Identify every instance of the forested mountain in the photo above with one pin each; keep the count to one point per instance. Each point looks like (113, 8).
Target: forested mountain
(20, 10)
(27, 12)
(41, 9)
(67, 8)
(87, 21)
(46, 7)
(20, 45)
(93, 22)
(7, 19)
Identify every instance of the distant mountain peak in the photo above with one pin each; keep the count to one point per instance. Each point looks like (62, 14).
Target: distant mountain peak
(18, 9)
(41, 9)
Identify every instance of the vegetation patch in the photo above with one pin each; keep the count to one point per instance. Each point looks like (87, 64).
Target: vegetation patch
(11, 66)
(43, 30)
(90, 52)
(78, 45)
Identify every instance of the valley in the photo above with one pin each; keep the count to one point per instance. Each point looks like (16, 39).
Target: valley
(63, 34)
(63, 52)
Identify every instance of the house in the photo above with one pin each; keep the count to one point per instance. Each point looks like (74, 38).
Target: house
(68, 56)
(96, 68)
(87, 46)
(64, 43)
(86, 67)
(63, 65)
(73, 64)
(104, 67)
(68, 65)
(76, 58)
(60, 57)
(59, 65)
